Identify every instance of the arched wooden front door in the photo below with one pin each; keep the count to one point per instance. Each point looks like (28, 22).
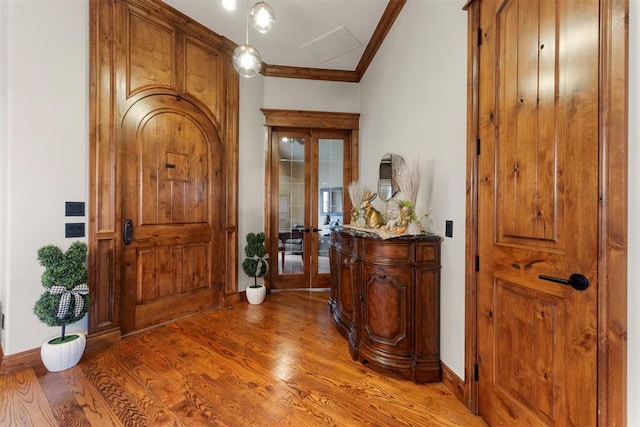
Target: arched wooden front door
(170, 210)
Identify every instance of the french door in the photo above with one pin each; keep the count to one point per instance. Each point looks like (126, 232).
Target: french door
(307, 199)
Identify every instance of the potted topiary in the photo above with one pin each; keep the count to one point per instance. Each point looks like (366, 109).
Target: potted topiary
(255, 265)
(65, 301)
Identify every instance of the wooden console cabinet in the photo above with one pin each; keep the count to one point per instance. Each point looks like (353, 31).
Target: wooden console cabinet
(385, 300)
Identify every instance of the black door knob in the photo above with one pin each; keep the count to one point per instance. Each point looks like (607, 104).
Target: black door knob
(576, 281)
(127, 231)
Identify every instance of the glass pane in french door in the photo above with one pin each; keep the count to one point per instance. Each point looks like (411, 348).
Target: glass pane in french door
(330, 166)
(291, 205)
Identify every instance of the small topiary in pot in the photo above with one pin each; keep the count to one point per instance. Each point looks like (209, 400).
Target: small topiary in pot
(66, 299)
(255, 265)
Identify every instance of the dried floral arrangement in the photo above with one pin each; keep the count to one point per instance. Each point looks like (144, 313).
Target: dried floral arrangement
(357, 191)
(400, 217)
(409, 176)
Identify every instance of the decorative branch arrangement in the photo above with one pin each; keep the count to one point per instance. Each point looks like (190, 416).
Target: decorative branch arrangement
(409, 176)
(357, 191)
(399, 215)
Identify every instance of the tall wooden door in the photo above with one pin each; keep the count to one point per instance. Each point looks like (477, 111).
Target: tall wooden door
(171, 180)
(308, 190)
(537, 212)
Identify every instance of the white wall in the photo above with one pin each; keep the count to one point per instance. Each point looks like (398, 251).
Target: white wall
(407, 109)
(311, 95)
(251, 169)
(4, 158)
(44, 146)
(45, 149)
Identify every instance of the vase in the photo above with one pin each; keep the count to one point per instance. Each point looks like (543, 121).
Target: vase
(58, 357)
(256, 295)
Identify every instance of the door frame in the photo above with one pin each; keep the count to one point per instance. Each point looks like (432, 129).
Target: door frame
(612, 211)
(306, 121)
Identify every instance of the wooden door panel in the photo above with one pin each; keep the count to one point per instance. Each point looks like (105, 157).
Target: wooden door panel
(163, 235)
(536, 339)
(170, 279)
(202, 78)
(150, 51)
(172, 163)
(528, 155)
(172, 307)
(528, 329)
(173, 171)
(166, 271)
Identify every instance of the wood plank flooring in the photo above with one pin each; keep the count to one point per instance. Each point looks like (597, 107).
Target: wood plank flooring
(281, 363)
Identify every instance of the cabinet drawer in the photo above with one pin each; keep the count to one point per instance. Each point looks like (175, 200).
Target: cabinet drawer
(387, 251)
(343, 242)
(426, 252)
(347, 242)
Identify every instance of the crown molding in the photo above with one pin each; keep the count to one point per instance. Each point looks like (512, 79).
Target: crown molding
(387, 20)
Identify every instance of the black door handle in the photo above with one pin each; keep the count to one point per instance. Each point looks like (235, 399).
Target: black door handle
(317, 229)
(576, 281)
(127, 232)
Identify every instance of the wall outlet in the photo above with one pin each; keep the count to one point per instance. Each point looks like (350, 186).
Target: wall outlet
(448, 228)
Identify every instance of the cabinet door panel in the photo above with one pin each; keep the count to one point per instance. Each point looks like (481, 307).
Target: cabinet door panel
(427, 312)
(387, 322)
(346, 305)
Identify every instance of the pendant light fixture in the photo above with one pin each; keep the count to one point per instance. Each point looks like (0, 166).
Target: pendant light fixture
(262, 17)
(229, 4)
(246, 58)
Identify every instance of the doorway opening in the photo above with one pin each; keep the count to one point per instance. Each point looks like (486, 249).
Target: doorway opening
(308, 171)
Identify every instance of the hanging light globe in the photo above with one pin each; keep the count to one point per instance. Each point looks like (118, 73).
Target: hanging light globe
(262, 17)
(229, 4)
(247, 60)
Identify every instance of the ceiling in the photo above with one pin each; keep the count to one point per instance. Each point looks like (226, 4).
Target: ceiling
(299, 22)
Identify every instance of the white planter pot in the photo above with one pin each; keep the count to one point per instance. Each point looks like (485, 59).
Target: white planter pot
(58, 357)
(256, 295)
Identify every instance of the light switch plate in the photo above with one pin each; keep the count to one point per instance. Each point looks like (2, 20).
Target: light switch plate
(74, 208)
(75, 229)
(448, 228)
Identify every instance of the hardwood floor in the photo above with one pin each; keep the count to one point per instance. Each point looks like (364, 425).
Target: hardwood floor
(276, 364)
